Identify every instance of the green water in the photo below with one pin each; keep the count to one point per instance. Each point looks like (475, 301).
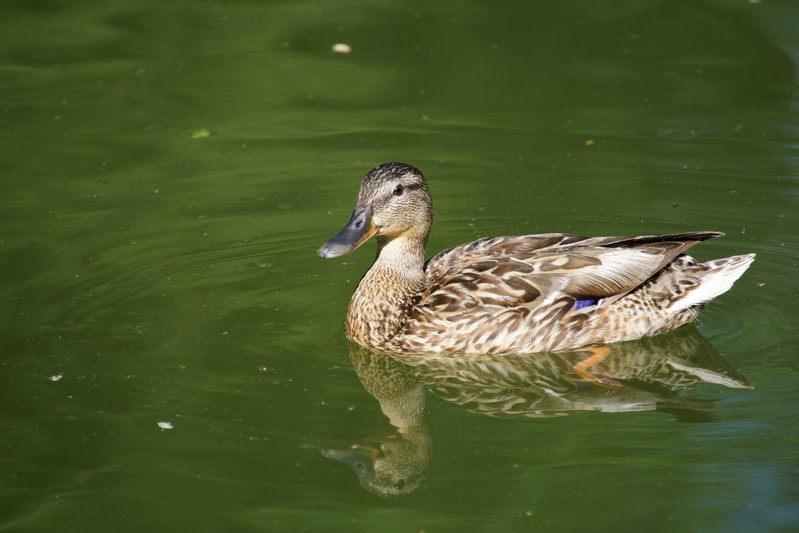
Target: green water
(169, 170)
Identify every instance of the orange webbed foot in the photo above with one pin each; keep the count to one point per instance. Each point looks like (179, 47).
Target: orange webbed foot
(587, 368)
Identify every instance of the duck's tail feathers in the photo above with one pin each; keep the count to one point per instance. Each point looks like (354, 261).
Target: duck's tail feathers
(717, 280)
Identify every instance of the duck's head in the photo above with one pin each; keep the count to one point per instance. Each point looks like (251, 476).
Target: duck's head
(394, 202)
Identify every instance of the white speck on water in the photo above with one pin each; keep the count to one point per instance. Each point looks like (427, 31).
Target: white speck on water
(56, 377)
(341, 48)
(165, 425)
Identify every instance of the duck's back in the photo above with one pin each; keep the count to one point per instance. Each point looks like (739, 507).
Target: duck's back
(552, 292)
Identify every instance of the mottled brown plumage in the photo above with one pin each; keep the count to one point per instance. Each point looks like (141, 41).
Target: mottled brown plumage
(522, 294)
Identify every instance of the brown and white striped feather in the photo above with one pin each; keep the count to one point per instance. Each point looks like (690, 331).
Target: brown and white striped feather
(517, 294)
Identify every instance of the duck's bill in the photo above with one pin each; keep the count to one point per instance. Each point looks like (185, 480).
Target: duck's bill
(354, 453)
(357, 231)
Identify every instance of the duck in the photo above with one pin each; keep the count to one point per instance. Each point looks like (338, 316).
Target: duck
(513, 294)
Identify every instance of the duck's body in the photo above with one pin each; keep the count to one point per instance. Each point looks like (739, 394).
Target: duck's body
(523, 294)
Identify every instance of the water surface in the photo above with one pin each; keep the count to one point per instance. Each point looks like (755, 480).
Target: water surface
(168, 172)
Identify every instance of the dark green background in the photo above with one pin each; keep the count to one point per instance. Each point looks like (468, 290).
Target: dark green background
(171, 278)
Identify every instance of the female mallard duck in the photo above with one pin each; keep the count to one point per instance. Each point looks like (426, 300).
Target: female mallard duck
(525, 294)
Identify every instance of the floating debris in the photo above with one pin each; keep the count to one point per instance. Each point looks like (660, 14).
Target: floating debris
(201, 133)
(56, 377)
(342, 48)
(165, 425)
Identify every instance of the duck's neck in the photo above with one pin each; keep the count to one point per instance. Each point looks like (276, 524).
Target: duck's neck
(386, 293)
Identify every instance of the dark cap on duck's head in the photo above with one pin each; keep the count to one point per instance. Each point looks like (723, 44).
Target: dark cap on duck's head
(392, 171)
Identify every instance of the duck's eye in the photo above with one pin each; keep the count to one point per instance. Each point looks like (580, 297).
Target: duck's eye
(398, 190)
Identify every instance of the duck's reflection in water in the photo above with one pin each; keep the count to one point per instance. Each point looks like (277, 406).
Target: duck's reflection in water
(644, 375)
(392, 460)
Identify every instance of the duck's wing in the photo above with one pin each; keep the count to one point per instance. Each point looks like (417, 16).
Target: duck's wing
(533, 270)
